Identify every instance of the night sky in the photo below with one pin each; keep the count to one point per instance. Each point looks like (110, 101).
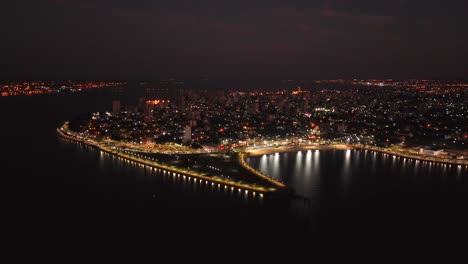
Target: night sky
(295, 39)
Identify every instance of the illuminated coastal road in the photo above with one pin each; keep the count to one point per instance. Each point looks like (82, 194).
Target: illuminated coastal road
(401, 153)
(221, 183)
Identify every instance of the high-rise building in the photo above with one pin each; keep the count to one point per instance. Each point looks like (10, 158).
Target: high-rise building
(187, 134)
(148, 114)
(342, 128)
(254, 107)
(141, 104)
(115, 107)
(182, 103)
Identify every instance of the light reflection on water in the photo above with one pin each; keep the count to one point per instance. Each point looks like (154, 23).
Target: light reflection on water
(109, 164)
(352, 171)
(111, 190)
(322, 178)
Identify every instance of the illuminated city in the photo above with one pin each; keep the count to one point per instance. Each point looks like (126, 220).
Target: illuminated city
(277, 124)
(435, 116)
(198, 127)
(51, 87)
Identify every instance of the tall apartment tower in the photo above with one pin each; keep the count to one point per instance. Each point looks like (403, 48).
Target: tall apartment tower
(148, 114)
(182, 103)
(187, 134)
(115, 107)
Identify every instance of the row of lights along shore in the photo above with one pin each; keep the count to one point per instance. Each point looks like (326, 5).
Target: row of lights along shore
(220, 186)
(227, 187)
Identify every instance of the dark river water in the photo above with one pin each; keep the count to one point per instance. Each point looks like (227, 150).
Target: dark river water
(359, 178)
(52, 187)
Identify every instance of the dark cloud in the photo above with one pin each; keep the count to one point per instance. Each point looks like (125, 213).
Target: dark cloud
(265, 39)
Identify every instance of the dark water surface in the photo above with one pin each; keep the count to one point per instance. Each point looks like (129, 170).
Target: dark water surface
(372, 193)
(53, 187)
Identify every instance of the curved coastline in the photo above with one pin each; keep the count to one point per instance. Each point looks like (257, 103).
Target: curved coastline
(435, 160)
(256, 191)
(244, 164)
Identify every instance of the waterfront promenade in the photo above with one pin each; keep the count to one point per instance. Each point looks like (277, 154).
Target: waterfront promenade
(222, 183)
(214, 180)
(258, 151)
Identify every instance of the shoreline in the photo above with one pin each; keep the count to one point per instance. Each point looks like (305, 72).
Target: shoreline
(255, 191)
(272, 150)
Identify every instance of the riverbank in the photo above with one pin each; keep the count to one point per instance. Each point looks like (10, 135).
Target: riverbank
(413, 156)
(406, 155)
(221, 183)
(243, 163)
(282, 149)
(270, 185)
